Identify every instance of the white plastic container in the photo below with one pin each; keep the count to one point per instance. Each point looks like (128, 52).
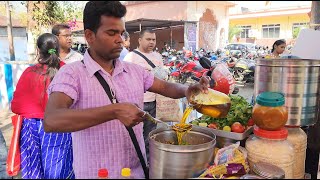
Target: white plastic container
(271, 147)
(298, 139)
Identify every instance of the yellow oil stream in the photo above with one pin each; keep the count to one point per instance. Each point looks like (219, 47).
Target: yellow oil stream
(182, 128)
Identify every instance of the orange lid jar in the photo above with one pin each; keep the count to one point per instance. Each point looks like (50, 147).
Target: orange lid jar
(269, 112)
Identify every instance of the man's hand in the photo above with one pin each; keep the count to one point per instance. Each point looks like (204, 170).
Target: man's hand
(129, 114)
(196, 88)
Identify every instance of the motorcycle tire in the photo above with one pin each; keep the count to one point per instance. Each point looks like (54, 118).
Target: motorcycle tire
(236, 90)
(183, 79)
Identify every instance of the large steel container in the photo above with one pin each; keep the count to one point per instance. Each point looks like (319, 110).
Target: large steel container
(298, 79)
(169, 161)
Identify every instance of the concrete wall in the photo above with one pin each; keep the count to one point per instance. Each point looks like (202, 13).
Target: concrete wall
(163, 10)
(196, 10)
(9, 76)
(19, 43)
(212, 34)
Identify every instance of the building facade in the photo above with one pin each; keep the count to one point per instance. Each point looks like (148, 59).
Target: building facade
(263, 27)
(209, 29)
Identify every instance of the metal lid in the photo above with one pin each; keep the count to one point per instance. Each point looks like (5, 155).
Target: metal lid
(250, 176)
(268, 171)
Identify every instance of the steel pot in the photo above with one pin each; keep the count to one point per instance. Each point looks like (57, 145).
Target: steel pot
(169, 161)
(298, 79)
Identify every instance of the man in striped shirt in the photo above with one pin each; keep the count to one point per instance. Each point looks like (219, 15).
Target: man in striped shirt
(78, 103)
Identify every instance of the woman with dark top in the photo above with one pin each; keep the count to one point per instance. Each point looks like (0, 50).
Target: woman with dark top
(278, 48)
(43, 155)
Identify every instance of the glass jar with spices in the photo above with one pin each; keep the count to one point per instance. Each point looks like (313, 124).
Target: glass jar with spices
(269, 112)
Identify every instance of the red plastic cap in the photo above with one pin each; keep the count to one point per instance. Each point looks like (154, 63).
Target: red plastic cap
(278, 134)
(103, 173)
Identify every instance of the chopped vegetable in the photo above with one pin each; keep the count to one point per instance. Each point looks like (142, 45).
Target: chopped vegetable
(240, 111)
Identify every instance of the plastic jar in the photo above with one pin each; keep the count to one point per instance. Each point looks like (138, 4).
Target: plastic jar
(271, 147)
(298, 138)
(269, 112)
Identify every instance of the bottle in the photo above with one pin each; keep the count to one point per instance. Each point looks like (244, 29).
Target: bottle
(103, 174)
(126, 173)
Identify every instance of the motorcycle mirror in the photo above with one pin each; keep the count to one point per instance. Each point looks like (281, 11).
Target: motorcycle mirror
(205, 63)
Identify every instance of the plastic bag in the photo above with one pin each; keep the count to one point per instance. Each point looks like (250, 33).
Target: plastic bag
(168, 109)
(225, 82)
(13, 160)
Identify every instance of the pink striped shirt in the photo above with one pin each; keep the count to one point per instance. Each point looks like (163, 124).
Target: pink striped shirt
(107, 145)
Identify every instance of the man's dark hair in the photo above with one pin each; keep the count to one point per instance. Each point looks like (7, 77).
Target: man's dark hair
(95, 9)
(146, 30)
(56, 28)
(126, 35)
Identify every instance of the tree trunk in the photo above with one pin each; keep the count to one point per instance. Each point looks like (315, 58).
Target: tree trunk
(31, 46)
(9, 30)
(315, 15)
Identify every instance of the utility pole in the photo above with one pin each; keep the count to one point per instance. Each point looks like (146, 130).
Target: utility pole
(9, 30)
(315, 15)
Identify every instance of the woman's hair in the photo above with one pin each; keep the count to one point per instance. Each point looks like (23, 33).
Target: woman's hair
(48, 56)
(278, 43)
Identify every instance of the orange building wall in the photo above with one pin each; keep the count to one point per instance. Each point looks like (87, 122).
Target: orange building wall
(164, 10)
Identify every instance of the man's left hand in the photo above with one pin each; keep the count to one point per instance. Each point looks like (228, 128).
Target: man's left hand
(201, 86)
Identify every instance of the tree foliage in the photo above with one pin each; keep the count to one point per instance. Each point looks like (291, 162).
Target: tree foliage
(296, 32)
(47, 13)
(233, 31)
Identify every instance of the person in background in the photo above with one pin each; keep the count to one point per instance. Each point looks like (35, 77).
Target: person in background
(126, 45)
(147, 42)
(64, 34)
(278, 48)
(43, 155)
(79, 104)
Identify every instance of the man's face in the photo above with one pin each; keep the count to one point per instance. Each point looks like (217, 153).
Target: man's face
(148, 41)
(126, 43)
(107, 41)
(65, 38)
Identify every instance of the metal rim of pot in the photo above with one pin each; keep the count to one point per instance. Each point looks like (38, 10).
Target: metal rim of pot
(177, 148)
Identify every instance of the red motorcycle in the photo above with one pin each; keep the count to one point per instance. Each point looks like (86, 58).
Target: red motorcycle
(188, 70)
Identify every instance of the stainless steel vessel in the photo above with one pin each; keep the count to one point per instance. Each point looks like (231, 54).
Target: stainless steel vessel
(169, 161)
(298, 79)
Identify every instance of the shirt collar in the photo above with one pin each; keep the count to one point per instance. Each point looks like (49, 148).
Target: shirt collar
(92, 66)
(70, 54)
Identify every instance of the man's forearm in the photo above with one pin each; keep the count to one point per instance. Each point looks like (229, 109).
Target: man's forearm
(173, 90)
(70, 120)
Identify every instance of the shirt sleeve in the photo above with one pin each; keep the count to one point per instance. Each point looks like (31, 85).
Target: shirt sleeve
(65, 81)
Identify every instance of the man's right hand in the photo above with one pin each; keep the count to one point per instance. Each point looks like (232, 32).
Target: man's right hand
(129, 114)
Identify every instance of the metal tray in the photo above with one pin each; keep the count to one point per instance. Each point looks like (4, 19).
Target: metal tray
(231, 135)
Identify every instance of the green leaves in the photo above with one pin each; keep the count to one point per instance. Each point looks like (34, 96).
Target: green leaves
(240, 111)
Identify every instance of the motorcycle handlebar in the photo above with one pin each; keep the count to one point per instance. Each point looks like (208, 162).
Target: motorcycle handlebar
(212, 82)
